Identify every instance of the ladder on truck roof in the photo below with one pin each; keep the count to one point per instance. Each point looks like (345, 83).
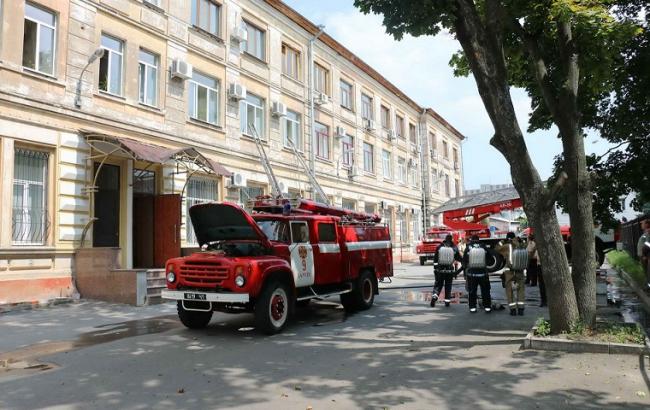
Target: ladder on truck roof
(318, 190)
(275, 186)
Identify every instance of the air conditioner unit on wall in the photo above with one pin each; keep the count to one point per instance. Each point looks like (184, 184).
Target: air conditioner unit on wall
(236, 91)
(237, 180)
(321, 99)
(400, 208)
(369, 124)
(412, 163)
(278, 109)
(390, 134)
(239, 34)
(432, 153)
(352, 172)
(340, 132)
(181, 69)
(383, 205)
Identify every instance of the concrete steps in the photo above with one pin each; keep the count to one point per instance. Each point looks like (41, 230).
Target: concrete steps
(156, 282)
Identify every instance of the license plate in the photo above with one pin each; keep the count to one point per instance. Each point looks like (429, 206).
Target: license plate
(196, 296)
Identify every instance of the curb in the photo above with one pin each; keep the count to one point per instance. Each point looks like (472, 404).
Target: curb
(21, 306)
(643, 297)
(531, 342)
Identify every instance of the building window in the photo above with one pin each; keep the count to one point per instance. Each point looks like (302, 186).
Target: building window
(445, 149)
(435, 181)
(30, 218)
(349, 204)
(413, 135)
(154, 2)
(292, 134)
(447, 187)
(415, 219)
(110, 65)
(385, 117)
(321, 78)
(369, 208)
(433, 144)
(255, 45)
(366, 107)
(39, 39)
(148, 78)
(249, 193)
(290, 62)
(455, 157)
(198, 190)
(368, 157)
(413, 176)
(251, 111)
(322, 141)
(347, 150)
(205, 15)
(204, 98)
(457, 187)
(403, 229)
(386, 164)
(388, 219)
(399, 126)
(401, 170)
(346, 95)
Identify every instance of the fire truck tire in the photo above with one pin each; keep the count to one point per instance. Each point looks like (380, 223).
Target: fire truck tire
(273, 308)
(193, 319)
(363, 292)
(422, 260)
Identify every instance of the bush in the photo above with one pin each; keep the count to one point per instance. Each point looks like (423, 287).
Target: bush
(543, 327)
(623, 261)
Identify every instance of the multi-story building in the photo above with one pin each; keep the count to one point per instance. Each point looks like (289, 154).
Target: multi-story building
(117, 115)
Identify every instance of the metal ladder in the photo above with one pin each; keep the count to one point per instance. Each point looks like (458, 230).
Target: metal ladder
(318, 190)
(275, 186)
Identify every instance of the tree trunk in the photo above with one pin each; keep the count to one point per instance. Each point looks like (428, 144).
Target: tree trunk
(483, 48)
(583, 251)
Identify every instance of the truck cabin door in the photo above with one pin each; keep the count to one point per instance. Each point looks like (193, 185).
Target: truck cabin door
(327, 255)
(302, 255)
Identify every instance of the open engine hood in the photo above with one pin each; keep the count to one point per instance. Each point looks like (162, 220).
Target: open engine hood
(224, 221)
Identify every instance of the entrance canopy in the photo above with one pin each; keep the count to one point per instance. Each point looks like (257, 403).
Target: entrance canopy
(187, 157)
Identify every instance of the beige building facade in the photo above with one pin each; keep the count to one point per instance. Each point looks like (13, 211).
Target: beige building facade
(108, 149)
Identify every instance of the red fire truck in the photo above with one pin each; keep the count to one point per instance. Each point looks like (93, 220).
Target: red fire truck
(283, 253)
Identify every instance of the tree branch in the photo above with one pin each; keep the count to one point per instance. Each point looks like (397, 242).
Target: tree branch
(554, 191)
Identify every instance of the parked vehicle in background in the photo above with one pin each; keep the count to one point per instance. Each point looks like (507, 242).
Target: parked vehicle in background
(285, 252)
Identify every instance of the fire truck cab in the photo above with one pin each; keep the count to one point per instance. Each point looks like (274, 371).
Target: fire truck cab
(283, 253)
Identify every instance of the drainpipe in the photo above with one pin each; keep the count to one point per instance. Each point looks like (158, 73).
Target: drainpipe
(312, 125)
(424, 171)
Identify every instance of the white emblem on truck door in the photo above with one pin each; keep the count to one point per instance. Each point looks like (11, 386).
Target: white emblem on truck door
(302, 255)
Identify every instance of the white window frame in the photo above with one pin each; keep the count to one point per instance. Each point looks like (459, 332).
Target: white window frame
(320, 138)
(210, 184)
(349, 202)
(399, 126)
(259, 113)
(368, 158)
(385, 116)
(367, 114)
(321, 78)
(110, 52)
(147, 67)
(386, 161)
(290, 62)
(252, 29)
(192, 83)
(347, 150)
(217, 32)
(401, 170)
(298, 131)
(45, 200)
(347, 100)
(37, 58)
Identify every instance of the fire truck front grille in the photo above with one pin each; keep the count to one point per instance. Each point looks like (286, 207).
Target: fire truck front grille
(203, 274)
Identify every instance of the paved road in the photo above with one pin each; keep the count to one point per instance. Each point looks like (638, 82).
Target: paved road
(400, 354)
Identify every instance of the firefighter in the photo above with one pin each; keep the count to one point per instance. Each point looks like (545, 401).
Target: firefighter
(447, 254)
(475, 266)
(516, 257)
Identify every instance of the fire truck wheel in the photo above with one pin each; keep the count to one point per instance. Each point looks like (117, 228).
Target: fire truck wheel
(363, 293)
(422, 260)
(273, 308)
(193, 319)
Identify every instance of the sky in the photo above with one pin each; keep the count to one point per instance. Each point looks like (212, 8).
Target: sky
(420, 68)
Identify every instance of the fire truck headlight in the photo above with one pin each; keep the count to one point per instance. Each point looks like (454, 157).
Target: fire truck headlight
(171, 276)
(240, 280)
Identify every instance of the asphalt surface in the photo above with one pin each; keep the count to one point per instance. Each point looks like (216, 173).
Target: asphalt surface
(399, 354)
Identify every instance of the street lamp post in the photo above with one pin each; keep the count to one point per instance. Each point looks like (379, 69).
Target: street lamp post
(312, 125)
(98, 53)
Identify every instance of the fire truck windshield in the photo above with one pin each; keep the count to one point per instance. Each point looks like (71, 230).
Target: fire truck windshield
(275, 230)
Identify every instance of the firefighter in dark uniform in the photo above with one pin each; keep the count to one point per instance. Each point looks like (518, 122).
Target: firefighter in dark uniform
(475, 266)
(445, 272)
